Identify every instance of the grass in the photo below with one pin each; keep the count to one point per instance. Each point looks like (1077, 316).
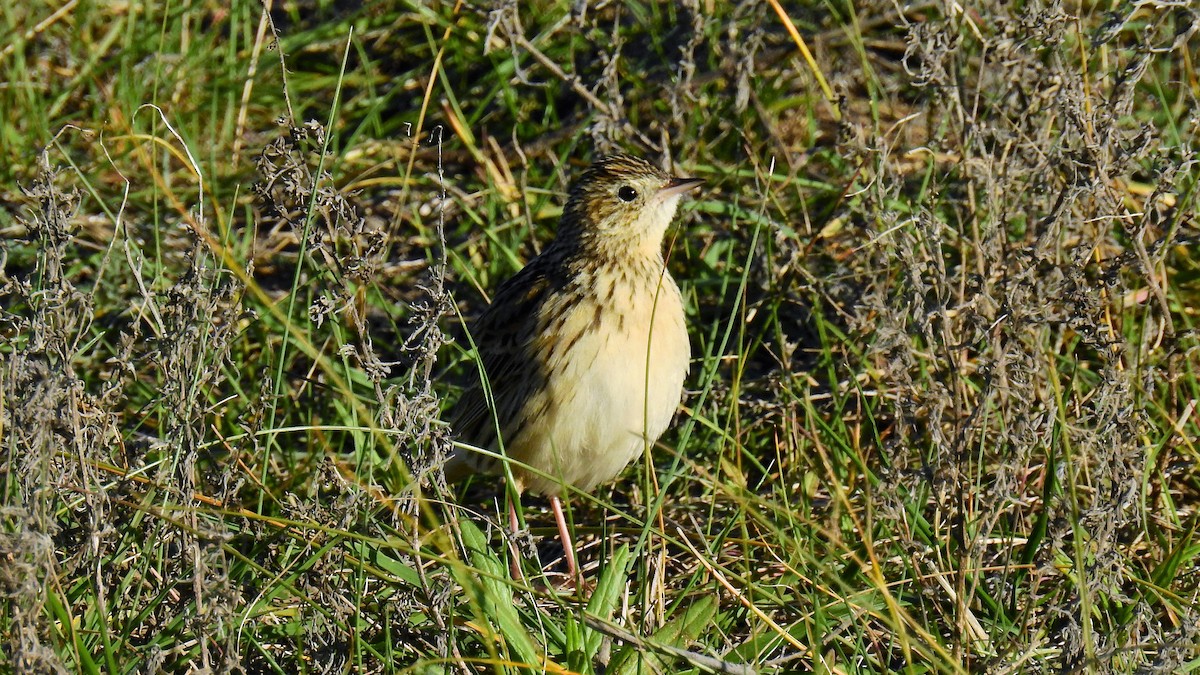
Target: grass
(941, 290)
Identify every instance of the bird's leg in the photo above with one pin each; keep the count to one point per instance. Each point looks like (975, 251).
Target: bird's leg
(565, 537)
(514, 565)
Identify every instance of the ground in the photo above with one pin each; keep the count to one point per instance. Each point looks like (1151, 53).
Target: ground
(941, 288)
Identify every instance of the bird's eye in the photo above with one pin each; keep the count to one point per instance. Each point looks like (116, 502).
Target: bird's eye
(626, 193)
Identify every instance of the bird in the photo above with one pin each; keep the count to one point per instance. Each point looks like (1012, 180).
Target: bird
(583, 353)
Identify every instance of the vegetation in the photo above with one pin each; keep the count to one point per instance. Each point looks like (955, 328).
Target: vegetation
(942, 288)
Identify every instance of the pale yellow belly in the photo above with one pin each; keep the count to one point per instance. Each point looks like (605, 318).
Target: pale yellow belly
(613, 399)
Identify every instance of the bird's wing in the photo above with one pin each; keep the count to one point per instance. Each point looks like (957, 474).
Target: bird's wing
(504, 336)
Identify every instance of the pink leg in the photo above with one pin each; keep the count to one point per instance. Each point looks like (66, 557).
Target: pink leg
(514, 564)
(565, 537)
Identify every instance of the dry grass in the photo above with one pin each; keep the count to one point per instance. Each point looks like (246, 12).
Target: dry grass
(942, 416)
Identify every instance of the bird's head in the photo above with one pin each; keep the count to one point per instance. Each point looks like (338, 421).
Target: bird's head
(623, 203)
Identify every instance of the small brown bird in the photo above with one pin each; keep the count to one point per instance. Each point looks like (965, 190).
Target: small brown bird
(584, 351)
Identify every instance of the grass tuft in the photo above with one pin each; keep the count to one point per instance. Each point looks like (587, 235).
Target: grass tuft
(941, 290)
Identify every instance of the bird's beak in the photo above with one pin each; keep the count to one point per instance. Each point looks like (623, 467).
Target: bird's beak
(677, 186)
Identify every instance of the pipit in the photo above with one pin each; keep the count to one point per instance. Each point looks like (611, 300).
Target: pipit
(584, 351)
